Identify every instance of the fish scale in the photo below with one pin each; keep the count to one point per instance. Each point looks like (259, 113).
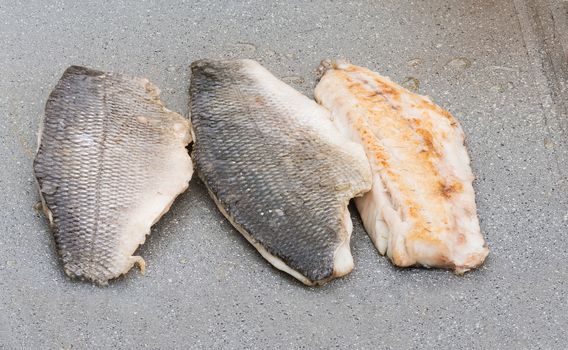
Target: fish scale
(272, 164)
(111, 159)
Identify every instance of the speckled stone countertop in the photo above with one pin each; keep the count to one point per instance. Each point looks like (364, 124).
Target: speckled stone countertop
(498, 66)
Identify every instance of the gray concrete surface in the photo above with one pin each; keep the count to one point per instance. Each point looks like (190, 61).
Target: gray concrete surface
(499, 66)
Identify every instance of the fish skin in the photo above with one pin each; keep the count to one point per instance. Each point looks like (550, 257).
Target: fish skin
(276, 167)
(421, 210)
(111, 159)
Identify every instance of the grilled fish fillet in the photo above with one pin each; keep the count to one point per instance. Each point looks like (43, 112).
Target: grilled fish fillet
(276, 167)
(110, 162)
(421, 210)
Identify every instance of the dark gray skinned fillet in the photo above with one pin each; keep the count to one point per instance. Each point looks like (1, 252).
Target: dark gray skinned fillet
(276, 167)
(110, 162)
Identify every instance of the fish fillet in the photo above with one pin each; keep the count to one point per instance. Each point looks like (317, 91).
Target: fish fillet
(110, 162)
(276, 167)
(421, 209)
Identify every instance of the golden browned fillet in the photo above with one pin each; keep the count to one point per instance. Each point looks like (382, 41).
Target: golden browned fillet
(421, 209)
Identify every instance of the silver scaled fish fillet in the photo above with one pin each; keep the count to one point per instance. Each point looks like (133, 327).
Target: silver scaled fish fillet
(276, 167)
(421, 210)
(111, 161)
